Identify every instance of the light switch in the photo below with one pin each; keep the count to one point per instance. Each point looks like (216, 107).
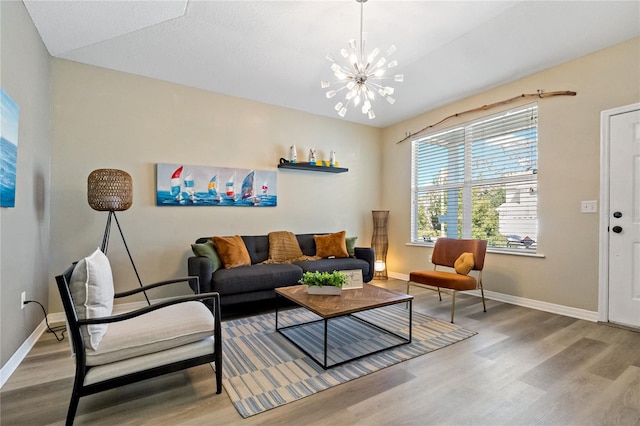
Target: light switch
(590, 206)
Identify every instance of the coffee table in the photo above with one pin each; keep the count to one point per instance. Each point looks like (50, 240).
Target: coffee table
(343, 308)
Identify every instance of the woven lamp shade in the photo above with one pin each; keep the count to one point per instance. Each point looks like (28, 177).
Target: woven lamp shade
(109, 190)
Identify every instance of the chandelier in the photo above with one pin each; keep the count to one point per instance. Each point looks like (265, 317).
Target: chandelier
(362, 78)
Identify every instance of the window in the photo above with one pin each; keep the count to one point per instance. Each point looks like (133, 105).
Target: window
(479, 180)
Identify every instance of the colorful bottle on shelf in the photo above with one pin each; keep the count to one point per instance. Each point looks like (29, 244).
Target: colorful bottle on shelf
(293, 155)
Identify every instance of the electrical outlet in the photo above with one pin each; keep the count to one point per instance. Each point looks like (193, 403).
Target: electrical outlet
(590, 206)
(23, 297)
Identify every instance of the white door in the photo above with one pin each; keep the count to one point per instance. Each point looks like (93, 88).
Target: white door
(624, 218)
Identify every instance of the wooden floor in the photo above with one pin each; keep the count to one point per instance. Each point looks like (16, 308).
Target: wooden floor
(524, 367)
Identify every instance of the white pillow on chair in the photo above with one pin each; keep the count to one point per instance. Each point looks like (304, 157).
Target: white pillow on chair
(92, 292)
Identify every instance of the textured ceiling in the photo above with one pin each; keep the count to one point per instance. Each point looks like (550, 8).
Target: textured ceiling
(274, 51)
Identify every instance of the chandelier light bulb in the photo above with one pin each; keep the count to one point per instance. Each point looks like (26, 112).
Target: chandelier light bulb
(380, 63)
(340, 75)
(358, 77)
(373, 55)
(371, 95)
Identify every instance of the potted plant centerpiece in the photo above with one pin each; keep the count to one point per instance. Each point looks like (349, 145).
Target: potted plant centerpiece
(326, 283)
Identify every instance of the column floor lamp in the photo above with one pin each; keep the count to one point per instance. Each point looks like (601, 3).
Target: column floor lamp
(111, 190)
(380, 243)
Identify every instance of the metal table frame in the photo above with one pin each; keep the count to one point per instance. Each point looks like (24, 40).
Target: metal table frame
(324, 362)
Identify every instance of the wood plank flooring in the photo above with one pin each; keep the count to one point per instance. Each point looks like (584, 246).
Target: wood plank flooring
(524, 367)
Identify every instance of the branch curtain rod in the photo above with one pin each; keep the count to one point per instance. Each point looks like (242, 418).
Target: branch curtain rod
(539, 95)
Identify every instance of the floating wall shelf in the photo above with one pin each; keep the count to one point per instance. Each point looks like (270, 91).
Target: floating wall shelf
(309, 167)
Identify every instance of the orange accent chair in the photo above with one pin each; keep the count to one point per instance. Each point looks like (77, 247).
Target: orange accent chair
(445, 253)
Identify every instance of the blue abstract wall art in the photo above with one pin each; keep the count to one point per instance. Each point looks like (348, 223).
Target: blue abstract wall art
(187, 185)
(9, 113)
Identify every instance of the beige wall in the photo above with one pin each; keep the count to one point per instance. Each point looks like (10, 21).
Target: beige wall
(24, 229)
(108, 119)
(569, 167)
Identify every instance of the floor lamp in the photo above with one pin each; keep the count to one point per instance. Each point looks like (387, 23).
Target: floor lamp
(111, 190)
(380, 242)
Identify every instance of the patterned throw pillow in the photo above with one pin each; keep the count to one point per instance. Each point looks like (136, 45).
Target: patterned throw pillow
(232, 251)
(331, 245)
(283, 246)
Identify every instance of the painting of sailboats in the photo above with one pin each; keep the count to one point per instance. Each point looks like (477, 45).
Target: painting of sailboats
(189, 185)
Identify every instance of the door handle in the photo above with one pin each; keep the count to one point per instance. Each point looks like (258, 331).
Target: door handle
(617, 229)
(617, 215)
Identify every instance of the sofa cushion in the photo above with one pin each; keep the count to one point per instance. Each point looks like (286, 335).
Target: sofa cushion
(92, 292)
(257, 246)
(162, 329)
(331, 245)
(255, 277)
(307, 244)
(232, 251)
(207, 249)
(283, 246)
(330, 265)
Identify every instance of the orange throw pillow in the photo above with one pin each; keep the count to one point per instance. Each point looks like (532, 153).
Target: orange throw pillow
(332, 245)
(232, 251)
(464, 263)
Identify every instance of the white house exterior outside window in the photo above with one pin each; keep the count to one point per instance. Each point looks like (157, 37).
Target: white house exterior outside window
(479, 180)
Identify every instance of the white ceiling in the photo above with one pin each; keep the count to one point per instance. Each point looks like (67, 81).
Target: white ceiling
(274, 51)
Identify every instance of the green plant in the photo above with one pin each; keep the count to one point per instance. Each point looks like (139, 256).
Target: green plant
(335, 279)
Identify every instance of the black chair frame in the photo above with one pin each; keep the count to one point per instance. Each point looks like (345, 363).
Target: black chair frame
(74, 324)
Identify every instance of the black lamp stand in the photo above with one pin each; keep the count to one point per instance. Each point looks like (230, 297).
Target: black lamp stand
(105, 246)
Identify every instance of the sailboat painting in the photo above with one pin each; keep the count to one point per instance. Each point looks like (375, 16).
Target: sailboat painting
(187, 185)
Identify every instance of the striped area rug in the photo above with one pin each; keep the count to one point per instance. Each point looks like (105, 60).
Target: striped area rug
(263, 370)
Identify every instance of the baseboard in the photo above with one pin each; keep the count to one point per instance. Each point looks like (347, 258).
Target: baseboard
(10, 367)
(15, 360)
(527, 303)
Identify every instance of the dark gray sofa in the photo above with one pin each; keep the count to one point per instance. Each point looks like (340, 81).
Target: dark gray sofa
(258, 281)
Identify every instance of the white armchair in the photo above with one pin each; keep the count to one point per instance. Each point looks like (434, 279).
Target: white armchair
(114, 350)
